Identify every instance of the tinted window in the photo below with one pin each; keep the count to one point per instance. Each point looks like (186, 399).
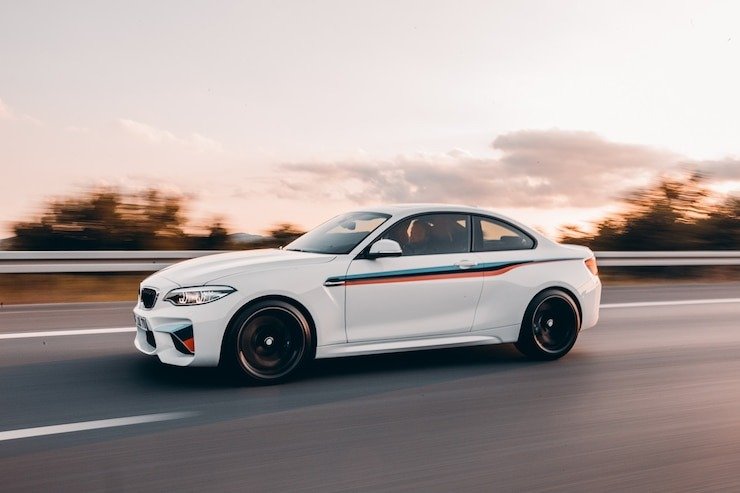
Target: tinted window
(490, 235)
(339, 235)
(432, 234)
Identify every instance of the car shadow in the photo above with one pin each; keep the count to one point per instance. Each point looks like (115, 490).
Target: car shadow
(209, 390)
(436, 360)
(430, 365)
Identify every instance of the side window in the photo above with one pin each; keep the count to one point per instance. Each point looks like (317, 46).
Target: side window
(490, 235)
(432, 234)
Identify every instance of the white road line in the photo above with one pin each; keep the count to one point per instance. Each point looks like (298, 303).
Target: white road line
(91, 425)
(670, 303)
(77, 332)
(116, 330)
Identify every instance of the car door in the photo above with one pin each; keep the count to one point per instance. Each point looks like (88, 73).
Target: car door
(430, 290)
(500, 248)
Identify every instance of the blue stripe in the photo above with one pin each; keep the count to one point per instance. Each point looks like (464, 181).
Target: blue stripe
(447, 269)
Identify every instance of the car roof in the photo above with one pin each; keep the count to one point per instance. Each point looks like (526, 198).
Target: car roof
(404, 209)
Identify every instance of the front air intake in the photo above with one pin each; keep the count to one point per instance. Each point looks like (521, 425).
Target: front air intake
(148, 297)
(150, 339)
(183, 340)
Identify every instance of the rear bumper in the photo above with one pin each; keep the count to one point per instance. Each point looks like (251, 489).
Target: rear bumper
(590, 294)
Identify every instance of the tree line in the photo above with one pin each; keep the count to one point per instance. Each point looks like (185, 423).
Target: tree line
(108, 219)
(672, 214)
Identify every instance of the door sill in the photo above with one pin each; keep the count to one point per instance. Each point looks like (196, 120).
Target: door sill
(396, 345)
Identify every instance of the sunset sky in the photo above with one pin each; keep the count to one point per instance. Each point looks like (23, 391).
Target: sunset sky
(270, 111)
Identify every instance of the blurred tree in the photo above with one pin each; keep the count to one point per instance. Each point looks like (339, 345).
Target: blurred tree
(724, 225)
(671, 215)
(106, 219)
(216, 239)
(280, 235)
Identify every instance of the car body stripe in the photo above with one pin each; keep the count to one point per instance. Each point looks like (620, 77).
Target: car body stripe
(433, 273)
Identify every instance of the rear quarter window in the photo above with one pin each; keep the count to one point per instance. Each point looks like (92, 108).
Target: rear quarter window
(490, 235)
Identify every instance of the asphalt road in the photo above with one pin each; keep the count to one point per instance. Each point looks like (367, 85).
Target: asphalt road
(648, 400)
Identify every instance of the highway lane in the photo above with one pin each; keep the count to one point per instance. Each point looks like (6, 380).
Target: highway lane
(649, 399)
(40, 317)
(26, 318)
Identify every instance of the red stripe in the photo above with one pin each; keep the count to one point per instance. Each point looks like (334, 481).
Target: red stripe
(432, 277)
(412, 278)
(491, 273)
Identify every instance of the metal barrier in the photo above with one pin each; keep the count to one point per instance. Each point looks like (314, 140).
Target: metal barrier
(25, 262)
(659, 259)
(36, 262)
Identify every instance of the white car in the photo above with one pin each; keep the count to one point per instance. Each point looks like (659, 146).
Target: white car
(395, 278)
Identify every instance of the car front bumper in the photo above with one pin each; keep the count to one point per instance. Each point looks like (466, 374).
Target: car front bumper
(184, 335)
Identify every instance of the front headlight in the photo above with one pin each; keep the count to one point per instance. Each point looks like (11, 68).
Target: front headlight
(198, 295)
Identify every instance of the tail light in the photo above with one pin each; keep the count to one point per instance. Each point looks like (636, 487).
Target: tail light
(591, 265)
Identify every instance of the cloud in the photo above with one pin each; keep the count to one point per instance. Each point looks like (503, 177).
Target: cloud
(724, 169)
(77, 130)
(155, 135)
(533, 168)
(7, 114)
(148, 132)
(205, 144)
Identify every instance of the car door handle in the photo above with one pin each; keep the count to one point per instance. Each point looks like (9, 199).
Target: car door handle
(466, 264)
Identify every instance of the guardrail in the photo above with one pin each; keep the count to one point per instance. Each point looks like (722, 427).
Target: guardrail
(36, 262)
(27, 262)
(659, 259)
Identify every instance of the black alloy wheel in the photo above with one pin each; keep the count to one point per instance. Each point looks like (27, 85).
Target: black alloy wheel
(271, 341)
(550, 326)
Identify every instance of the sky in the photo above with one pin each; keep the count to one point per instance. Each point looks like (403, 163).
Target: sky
(273, 111)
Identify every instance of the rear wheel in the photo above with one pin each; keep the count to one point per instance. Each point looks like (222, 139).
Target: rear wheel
(550, 326)
(269, 342)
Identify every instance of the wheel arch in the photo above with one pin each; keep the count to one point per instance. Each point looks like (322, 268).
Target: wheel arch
(570, 292)
(271, 297)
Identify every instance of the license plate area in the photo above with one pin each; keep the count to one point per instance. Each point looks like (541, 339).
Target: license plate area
(141, 323)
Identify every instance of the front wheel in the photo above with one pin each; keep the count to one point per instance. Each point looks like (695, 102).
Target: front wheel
(550, 326)
(269, 342)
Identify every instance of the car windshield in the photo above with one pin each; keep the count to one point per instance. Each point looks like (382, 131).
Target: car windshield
(339, 235)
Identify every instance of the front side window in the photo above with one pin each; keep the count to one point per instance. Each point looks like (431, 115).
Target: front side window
(339, 235)
(432, 234)
(490, 235)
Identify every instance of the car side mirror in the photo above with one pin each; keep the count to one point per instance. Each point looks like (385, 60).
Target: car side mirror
(385, 248)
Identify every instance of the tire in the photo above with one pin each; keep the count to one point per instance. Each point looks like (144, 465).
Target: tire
(269, 342)
(550, 326)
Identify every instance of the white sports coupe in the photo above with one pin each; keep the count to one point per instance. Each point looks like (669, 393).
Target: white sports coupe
(395, 278)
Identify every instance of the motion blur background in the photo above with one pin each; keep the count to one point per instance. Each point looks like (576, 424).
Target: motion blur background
(211, 125)
(221, 125)
(250, 114)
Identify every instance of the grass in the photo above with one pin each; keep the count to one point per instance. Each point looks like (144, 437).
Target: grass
(611, 276)
(67, 288)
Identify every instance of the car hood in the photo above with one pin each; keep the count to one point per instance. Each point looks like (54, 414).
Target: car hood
(202, 270)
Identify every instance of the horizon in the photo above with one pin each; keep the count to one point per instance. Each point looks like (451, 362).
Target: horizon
(544, 113)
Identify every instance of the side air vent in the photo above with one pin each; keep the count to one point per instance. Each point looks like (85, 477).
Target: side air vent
(148, 297)
(150, 339)
(183, 340)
